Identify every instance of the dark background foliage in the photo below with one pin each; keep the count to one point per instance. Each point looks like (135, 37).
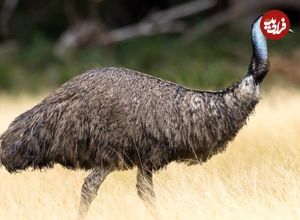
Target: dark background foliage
(208, 48)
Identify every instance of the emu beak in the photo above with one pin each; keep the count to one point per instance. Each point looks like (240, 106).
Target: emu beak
(291, 31)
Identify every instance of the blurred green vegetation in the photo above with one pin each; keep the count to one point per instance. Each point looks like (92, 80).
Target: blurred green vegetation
(213, 61)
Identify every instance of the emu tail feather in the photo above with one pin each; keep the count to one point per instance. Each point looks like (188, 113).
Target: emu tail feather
(21, 146)
(37, 139)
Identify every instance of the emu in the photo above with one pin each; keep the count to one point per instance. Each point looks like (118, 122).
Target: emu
(109, 119)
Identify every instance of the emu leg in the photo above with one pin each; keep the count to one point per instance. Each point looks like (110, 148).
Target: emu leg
(90, 188)
(145, 185)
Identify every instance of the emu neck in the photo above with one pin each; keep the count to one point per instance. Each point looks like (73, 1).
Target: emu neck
(259, 43)
(242, 97)
(259, 65)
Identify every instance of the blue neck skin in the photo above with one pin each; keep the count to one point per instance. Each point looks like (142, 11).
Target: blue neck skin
(259, 43)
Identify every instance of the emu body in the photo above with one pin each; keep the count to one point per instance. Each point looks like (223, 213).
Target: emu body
(121, 118)
(114, 119)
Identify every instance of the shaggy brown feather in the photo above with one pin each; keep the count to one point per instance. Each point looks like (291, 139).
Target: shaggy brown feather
(120, 118)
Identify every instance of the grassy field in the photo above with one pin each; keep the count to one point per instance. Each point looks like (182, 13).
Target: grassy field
(258, 177)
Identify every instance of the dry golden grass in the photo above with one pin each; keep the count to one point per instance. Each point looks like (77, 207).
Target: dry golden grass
(258, 177)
